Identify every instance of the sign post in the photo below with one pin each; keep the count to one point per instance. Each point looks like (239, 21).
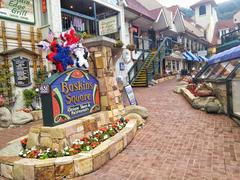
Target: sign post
(68, 96)
(130, 94)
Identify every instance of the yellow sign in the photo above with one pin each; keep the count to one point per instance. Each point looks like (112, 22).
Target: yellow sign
(18, 10)
(108, 26)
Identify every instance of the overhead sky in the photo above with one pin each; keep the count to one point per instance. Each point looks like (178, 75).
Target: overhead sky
(183, 3)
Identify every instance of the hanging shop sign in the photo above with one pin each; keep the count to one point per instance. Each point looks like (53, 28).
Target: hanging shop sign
(18, 10)
(130, 94)
(21, 71)
(108, 26)
(68, 96)
(44, 6)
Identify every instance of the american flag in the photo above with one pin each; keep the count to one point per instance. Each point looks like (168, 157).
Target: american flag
(50, 35)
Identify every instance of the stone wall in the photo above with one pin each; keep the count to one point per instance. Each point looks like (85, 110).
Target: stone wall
(63, 135)
(220, 90)
(102, 66)
(71, 166)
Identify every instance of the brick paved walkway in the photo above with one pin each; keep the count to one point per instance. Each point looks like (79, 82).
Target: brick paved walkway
(10, 134)
(177, 142)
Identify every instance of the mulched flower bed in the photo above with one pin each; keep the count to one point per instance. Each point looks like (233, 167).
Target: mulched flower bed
(84, 144)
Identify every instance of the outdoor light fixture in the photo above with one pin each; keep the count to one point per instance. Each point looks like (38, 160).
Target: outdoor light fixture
(90, 7)
(71, 6)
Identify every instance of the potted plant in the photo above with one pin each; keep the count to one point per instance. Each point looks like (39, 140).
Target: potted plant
(131, 47)
(118, 44)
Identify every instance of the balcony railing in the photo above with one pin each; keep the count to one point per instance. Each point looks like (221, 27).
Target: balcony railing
(231, 36)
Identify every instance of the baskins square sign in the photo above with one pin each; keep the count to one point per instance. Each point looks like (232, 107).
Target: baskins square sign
(68, 96)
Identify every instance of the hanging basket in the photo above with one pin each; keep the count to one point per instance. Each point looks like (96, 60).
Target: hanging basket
(131, 47)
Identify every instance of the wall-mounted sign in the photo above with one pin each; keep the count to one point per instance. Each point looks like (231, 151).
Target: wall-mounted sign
(130, 94)
(18, 10)
(21, 72)
(108, 26)
(202, 53)
(121, 66)
(72, 94)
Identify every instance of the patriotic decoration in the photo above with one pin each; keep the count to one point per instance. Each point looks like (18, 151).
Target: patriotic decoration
(50, 36)
(61, 54)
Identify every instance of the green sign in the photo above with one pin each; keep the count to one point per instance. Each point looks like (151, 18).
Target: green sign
(17, 10)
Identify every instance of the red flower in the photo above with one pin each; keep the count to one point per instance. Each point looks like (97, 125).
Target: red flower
(103, 129)
(93, 144)
(76, 146)
(24, 141)
(97, 135)
(114, 125)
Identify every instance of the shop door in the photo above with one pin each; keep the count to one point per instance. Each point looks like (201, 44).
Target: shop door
(236, 96)
(152, 37)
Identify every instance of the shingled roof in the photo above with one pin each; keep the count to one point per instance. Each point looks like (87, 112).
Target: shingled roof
(134, 5)
(222, 24)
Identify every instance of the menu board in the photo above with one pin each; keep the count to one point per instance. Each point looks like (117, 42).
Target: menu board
(130, 95)
(21, 72)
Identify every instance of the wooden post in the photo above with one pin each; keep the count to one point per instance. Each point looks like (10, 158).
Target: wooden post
(33, 49)
(6, 63)
(39, 38)
(4, 37)
(19, 36)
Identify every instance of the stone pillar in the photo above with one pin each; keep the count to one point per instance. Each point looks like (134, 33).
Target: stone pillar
(55, 16)
(103, 67)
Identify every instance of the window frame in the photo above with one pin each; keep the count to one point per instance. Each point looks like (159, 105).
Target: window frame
(202, 10)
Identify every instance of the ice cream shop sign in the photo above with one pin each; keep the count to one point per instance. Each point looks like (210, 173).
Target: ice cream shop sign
(68, 96)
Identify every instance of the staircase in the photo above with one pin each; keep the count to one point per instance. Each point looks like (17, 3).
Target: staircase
(143, 71)
(141, 80)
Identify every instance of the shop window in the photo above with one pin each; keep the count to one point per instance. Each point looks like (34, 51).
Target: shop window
(208, 71)
(217, 70)
(228, 69)
(173, 65)
(202, 10)
(236, 93)
(178, 67)
(79, 24)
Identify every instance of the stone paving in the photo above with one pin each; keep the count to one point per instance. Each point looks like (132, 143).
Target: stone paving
(10, 134)
(177, 142)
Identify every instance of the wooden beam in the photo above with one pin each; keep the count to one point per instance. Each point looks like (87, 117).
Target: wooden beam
(4, 37)
(32, 38)
(19, 35)
(39, 38)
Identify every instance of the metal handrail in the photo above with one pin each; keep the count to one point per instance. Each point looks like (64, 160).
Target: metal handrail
(143, 64)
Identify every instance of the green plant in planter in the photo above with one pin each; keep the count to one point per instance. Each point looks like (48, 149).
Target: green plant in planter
(118, 44)
(131, 47)
(42, 75)
(29, 95)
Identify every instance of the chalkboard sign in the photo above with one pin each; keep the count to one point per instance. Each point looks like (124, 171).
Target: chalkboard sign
(21, 71)
(131, 98)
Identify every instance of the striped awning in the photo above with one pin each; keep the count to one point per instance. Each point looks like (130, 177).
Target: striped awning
(190, 56)
(202, 58)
